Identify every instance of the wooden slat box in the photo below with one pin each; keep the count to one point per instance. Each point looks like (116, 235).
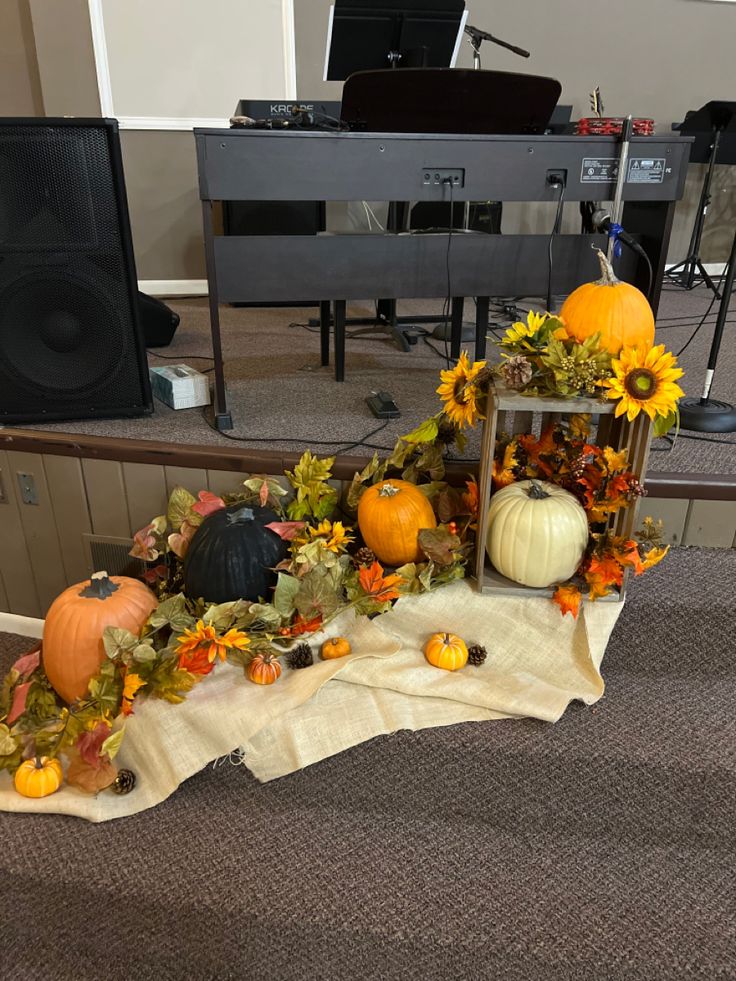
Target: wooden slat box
(618, 433)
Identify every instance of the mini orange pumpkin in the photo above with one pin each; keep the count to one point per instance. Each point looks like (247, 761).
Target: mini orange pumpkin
(447, 651)
(264, 669)
(335, 647)
(618, 311)
(72, 635)
(38, 777)
(390, 516)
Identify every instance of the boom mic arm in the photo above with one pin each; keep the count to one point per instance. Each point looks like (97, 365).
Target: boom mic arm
(476, 36)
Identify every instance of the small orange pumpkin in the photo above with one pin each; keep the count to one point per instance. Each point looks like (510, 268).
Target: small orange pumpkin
(264, 669)
(618, 311)
(390, 516)
(335, 647)
(447, 651)
(72, 635)
(38, 777)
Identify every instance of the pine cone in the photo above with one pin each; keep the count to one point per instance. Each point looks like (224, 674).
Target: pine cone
(300, 657)
(364, 556)
(123, 782)
(477, 654)
(517, 372)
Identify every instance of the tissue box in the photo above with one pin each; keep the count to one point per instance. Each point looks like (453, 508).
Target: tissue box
(180, 386)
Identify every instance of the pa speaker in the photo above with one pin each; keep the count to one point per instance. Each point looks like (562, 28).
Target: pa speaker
(71, 343)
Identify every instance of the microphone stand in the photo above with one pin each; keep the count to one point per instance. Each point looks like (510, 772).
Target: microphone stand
(707, 415)
(476, 37)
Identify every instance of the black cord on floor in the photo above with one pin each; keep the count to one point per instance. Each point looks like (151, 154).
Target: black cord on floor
(293, 439)
(697, 439)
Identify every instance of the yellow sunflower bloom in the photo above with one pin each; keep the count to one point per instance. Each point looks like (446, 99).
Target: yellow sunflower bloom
(459, 392)
(645, 381)
(334, 535)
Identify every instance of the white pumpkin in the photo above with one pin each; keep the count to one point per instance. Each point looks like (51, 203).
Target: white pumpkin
(537, 533)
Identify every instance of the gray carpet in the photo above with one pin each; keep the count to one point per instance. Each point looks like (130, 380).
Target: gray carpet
(598, 848)
(283, 399)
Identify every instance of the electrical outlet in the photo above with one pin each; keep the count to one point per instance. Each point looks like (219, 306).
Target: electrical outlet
(27, 484)
(436, 176)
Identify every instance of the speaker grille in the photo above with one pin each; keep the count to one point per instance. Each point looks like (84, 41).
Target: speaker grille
(70, 343)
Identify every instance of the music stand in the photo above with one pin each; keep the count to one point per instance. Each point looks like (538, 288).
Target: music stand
(364, 35)
(713, 119)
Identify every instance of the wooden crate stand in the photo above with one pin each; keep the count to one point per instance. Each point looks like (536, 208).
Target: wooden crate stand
(618, 433)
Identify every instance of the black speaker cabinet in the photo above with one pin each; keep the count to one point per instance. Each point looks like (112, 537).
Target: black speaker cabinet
(71, 344)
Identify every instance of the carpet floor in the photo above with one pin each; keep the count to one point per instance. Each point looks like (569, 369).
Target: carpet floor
(283, 399)
(601, 847)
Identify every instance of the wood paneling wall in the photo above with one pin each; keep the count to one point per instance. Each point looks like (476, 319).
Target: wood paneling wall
(43, 546)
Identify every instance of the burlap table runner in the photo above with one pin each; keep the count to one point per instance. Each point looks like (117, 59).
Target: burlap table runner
(538, 662)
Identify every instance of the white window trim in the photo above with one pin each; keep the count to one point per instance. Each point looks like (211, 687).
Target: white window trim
(178, 123)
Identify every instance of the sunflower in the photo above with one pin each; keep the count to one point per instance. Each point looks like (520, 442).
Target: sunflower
(535, 333)
(205, 636)
(335, 537)
(645, 381)
(459, 392)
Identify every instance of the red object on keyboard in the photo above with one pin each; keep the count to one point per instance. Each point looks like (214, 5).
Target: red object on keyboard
(612, 126)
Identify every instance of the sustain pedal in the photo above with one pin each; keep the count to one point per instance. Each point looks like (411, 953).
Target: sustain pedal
(383, 406)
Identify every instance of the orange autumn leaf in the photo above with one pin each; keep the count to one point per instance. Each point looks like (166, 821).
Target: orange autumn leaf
(608, 569)
(654, 556)
(503, 474)
(615, 461)
(301, 626)
(597, 586)
(470, 498)
(568, 597)
(628, 555)
(378, 586)
(132, 683)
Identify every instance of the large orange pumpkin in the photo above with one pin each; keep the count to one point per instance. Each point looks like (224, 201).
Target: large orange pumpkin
(618, 311)
(72, 635)
(390, 516)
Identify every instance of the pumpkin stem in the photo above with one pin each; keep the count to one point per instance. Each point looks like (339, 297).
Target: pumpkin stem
(100, 587)
(241, 515)
(388, 490)
(536, 492)
(38, 762)
(608, 276)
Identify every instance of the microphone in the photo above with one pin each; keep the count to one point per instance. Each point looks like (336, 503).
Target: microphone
(477, 36)
(601, 220)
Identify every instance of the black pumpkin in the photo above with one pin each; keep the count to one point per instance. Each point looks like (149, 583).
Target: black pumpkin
(232, 555)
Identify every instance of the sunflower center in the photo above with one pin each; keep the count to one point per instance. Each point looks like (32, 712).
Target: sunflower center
(641, 383)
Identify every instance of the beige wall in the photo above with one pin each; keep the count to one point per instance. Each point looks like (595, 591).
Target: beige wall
(66, 63)
(20, 86)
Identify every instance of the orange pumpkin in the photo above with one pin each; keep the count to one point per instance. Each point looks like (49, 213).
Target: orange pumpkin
(38, 777)
(618, 311)
(335, 647)
(72, 635)
(390, 516)
(264, 669)
(447, 651)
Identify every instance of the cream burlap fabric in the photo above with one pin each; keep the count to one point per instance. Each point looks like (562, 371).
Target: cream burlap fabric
(538, 662)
